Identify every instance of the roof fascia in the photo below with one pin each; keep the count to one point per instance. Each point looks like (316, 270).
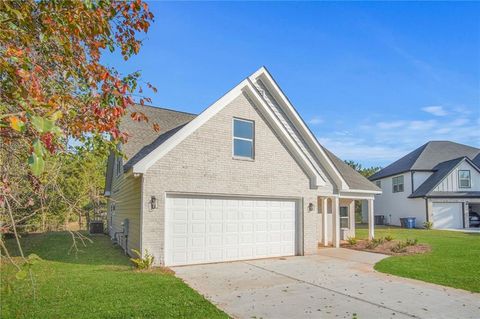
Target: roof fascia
(445, 176)
(142, 166)
(303, 129)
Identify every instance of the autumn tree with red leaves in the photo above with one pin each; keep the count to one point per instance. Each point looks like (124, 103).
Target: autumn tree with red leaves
(54, 86)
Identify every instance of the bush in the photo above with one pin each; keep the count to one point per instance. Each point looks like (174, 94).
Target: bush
(428, 225)
(400, 247)
(352, 241)
(411, 242)
(374, 243)
(142, 263)
(388, 238)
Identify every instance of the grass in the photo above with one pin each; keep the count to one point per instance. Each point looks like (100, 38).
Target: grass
(97, 282)
(454, 260)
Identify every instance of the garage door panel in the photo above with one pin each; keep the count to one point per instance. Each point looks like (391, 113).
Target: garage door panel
(200, 230)
(447, 215)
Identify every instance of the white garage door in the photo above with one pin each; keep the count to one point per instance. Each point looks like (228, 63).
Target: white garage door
(447, 215)
(204, 230)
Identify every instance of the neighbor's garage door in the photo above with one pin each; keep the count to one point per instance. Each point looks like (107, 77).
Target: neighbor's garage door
(214, 229)
(447, 215)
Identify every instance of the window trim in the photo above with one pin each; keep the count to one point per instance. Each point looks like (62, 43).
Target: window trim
(398, 185)
(469, 178)
(344, 217)
(252, 140)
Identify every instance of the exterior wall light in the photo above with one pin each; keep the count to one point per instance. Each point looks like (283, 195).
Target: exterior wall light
(311, 207)
(153, 202)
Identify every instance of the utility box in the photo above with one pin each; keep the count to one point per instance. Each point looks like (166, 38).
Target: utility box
(96, 227)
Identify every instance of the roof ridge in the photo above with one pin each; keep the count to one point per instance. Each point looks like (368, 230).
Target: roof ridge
(424, 147)
(166, 109)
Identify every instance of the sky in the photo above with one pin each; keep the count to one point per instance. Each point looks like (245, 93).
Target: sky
(372, 80)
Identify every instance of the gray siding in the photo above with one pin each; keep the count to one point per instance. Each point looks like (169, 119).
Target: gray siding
(126, 194)
(202, 163)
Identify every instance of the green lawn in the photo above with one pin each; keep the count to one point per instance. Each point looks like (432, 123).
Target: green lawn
(454, 260)
(97, 283)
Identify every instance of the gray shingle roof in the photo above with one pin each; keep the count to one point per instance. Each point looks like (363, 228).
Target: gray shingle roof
(354, 179)
(440, 172)
(142, 134)
(427, 156)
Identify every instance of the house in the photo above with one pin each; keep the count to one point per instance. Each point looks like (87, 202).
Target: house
(244, 179)
(439, 182)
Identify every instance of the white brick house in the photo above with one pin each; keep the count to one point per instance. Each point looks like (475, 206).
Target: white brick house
(244, 179)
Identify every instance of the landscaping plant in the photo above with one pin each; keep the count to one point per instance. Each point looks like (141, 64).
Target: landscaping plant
(352, 241)
(428, 225)
(142, 263)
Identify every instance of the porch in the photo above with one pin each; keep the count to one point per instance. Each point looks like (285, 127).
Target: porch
(336, 218)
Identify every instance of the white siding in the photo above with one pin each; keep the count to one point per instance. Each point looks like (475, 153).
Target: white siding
(419, 178)
(450, 182)
(397, 205)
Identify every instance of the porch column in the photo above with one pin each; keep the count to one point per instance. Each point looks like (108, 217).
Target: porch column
(336, 221)
(325, 221)
(371, 223)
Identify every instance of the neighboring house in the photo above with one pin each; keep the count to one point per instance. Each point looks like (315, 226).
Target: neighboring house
(438, 182)
(244, 179)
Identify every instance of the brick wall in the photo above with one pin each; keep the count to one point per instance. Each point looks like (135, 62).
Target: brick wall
(203, 163)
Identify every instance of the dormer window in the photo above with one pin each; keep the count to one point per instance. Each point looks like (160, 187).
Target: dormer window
(464, 179)
(243, 139)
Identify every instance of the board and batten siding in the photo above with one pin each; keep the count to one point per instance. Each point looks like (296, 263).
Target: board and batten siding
(126, 194)
(202, 164)
(450, 182)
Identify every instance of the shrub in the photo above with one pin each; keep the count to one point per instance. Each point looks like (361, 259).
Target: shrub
(428, 225)
(400, 247)
(352, 241)
(411, 242)
(374, 243)
(142, 263)
(388, 238)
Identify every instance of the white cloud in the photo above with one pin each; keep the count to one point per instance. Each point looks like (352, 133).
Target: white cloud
(381, 143)
(435, 110)
(316, 120)
(390, 125)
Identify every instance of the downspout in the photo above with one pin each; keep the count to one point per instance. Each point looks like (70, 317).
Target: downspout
(411, 177)
(426, 210)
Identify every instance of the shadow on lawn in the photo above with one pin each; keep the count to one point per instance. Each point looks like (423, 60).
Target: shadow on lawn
(57, 247)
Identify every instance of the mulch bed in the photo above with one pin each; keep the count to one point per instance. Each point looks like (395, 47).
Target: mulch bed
(386, 248)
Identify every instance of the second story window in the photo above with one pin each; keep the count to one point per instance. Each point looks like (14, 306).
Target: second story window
(397, 184)
(243, 139)
(464, 179)
(119, 165)
(378, 183)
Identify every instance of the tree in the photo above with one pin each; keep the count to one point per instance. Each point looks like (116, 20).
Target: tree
(55, 88)
(365, 171)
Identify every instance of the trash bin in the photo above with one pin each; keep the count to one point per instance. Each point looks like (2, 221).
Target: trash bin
(410, 222)
(379, 220)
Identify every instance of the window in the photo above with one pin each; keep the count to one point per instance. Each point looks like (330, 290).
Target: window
(243, 138)
(464, 179)
(344, 220)
(379, 184)
(397, 184)
(119, 165)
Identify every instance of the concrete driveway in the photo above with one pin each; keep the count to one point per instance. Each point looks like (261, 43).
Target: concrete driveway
(336, 283)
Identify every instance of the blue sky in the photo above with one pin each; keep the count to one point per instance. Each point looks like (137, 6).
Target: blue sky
(373, 80)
